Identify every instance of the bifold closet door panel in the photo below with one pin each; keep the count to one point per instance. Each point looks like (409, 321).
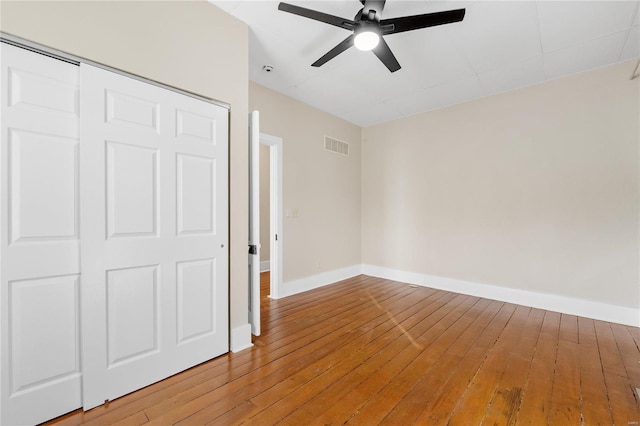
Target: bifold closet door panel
(154, 232)
(39, 238)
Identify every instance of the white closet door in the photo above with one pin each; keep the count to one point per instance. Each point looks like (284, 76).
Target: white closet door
(154, 233)
(39, 233)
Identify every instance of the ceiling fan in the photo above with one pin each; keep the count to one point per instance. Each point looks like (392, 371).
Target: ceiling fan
(368, 28)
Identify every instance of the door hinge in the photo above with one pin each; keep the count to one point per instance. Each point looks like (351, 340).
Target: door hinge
(276, 237)
(253, 249)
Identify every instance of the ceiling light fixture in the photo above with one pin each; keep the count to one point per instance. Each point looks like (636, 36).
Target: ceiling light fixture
(366, 38)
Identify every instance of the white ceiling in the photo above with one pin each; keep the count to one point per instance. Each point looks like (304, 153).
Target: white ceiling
(500, 46)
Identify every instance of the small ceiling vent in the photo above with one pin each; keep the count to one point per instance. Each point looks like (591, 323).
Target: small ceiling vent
(335, 145)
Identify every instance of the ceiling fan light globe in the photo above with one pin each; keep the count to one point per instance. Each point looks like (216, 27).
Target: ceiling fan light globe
(366, 40)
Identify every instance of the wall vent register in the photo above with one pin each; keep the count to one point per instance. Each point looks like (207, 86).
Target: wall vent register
(335, 145)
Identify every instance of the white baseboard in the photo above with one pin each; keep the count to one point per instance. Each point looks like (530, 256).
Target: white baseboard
(241, 338)
(290, 288)
(265, 265)
(552, 302)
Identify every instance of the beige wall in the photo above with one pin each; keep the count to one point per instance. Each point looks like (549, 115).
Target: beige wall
(264, 203)
(191, 45)
(324, 187)
(537, 189)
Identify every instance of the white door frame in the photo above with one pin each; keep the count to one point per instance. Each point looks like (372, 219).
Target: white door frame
(275, 212)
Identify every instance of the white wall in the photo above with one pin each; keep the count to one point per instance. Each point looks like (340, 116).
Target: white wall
(191, 45)
(324, 187)
(534, 190)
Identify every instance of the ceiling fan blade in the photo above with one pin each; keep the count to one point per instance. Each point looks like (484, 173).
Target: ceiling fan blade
(347, 24)
(341, 47)
(415, 22)
(384, 53)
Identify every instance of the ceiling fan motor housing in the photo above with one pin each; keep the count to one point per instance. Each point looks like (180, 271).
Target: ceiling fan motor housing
(372, 10)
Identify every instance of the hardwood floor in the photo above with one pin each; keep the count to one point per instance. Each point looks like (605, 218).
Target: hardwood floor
(369, 351)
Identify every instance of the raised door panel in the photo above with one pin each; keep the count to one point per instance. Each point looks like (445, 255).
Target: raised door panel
(43, 328)
(36, 90)
(132, 313)
(132, 185)
(42, 178)
(196, 295)
(127, 110)
(196, 127)
(196, 194)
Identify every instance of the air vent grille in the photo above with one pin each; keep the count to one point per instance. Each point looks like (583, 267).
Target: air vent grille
(335, 145)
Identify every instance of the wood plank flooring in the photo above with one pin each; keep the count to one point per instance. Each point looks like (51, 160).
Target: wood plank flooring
(368, 351)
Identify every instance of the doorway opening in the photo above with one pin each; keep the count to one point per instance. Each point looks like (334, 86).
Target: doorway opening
(274, 236)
